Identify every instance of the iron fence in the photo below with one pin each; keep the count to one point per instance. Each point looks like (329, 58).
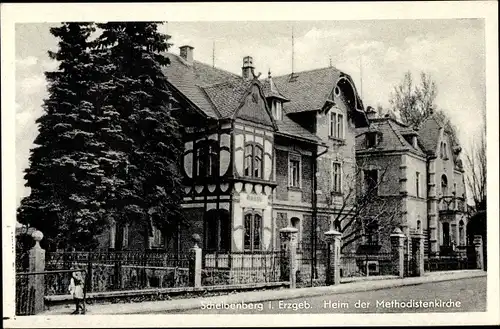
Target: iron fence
(365, 264)
(124, 270)
(241, 267)
(55, 282)
(311, 265)
(435, 262)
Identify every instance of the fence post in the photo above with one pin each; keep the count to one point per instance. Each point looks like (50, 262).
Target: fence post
(288, 239)
(37, 264)
(195, 263)
(333, 238)
(397, 246)
(478, 245)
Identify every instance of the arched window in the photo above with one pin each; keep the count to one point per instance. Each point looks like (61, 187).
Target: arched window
(253, 232)
(419, 226)
(444, 185)
(461, 233)
(217, 230)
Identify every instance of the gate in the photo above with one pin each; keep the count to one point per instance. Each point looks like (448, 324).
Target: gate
(410, 257)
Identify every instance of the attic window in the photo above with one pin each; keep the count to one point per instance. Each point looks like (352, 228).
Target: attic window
(337, 91)
(277, 110)
(371, 139)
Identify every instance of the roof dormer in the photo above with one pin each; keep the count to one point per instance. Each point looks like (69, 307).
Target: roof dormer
(275, 98)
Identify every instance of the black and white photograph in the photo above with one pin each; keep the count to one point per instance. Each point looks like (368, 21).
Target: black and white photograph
(250, 164)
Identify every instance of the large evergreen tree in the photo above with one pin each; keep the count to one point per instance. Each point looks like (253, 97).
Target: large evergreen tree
(64, 174)
(140, 102)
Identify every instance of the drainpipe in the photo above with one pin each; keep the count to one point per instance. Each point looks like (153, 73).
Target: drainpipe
(314, 202)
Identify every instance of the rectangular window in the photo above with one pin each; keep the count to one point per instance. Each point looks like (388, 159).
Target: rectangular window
(277, 110)
(371, 181)
(157, 238)
(337, 125)
(371, 139)
(336, 177)
(253, 228)
(294, 174)
(257, 163)
(340, 126)
(248, 160)
(333, 123)
(248, 232)
(417, 182)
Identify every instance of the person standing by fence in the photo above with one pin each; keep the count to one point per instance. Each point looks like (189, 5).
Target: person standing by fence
(75, 288)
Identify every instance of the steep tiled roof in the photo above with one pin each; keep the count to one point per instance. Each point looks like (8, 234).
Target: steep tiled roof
(271, 90)
(309, 89)
(227, 96)
(292, 129)
(429, 133)
(218, 93)
(392, 138)
(190, 78)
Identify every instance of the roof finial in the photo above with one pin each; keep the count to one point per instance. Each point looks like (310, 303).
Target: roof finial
(330, 61)
(269, 74)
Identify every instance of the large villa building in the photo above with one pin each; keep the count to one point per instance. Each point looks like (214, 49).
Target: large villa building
(261, 154)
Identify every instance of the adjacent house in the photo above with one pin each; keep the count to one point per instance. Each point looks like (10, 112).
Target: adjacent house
(390, 157)
(447, 207)
(424, 177)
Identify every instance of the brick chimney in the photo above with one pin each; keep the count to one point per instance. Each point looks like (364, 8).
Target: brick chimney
(247, 70)
(187, 53)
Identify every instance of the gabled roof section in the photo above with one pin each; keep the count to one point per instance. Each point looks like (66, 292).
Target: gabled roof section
(430, 131)
(226, 96)
(309, 90)
(391, 138)
(190, 78)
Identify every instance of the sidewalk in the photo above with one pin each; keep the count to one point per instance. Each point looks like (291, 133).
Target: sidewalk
(260, 296)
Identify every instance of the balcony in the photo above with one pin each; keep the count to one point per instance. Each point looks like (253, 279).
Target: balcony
(451, 204)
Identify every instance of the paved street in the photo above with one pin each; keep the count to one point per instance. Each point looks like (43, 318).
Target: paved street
(466, 295)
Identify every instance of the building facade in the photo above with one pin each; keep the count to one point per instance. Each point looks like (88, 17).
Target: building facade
(423, 175)
(260, 155)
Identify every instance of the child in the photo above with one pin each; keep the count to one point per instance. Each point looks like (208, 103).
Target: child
(76, 290)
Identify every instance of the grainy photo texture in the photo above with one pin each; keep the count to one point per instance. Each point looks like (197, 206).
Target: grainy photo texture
(250, 167)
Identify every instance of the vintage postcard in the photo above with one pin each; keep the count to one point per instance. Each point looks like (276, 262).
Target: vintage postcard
(250, 164)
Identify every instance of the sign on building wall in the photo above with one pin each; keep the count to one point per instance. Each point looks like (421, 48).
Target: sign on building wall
(253, 201)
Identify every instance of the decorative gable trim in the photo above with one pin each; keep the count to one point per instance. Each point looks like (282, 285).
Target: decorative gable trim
(255, 98)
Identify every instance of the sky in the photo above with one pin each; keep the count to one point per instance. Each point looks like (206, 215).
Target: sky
(376, 53)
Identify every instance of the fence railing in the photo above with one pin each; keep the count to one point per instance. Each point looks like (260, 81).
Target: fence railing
(311, 267)
(358, 264)
(56, 282)
(241, 267)
(123, 270)
(436, 262)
